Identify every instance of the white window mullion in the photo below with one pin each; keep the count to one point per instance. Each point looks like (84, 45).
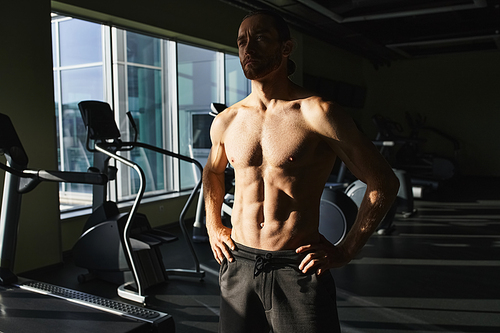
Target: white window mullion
(166, 132)
(221, 80)
(59, 104)
(174, 110)
(126, 189)
(120, 96)
(107, 64)
(111, 89)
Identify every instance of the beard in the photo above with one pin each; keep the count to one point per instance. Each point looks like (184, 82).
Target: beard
(263, 67)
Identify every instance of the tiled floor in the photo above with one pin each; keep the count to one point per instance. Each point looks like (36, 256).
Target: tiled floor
(438, 272)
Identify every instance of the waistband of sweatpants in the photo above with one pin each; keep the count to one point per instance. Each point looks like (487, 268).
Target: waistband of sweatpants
(274, 257)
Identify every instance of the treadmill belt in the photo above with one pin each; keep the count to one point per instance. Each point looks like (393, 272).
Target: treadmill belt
(25, 311)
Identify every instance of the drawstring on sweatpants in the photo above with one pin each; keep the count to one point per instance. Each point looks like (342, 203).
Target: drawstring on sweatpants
(261, 263)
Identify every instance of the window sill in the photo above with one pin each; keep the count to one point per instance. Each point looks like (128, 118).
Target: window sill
(88, 210)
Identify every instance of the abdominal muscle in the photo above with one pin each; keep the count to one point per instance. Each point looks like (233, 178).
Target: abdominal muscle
(271, 214)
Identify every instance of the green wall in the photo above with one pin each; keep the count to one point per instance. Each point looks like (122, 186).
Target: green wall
(26, 96)
(459, 94)
(327, 61)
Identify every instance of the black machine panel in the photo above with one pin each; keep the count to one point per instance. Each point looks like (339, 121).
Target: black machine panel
(98, 118)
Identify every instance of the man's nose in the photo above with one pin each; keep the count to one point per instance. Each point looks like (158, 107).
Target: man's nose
(250, 47)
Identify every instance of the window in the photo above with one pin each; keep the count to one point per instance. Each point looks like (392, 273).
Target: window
(167, 86)
(199, 85)
(78, 75)
(237, 85)
(139, 62)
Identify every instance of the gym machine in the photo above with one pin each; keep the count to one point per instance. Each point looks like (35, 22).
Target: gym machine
(426, 170)
(123, 248)
(404, 199)
(45, 307)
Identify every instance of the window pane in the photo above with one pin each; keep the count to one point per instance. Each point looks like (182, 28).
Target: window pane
(145, 105)
(237, 85)
(57, 104)
(80, 42)
(201, 132)
(56, 90)
(143, 49)
(197, 80)
(77, 85)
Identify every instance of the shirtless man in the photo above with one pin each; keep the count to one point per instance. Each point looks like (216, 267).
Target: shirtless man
(282, 142)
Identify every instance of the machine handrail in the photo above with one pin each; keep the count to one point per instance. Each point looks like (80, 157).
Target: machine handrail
(133, 211)
(151, 147)
(189, 202)
(36, 176)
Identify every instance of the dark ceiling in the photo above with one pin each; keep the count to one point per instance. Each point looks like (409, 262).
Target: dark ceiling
(386, 30)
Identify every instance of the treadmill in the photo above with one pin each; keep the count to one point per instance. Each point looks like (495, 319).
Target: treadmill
(33, 306)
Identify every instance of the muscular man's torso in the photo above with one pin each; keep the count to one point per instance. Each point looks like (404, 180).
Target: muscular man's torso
(281, 166)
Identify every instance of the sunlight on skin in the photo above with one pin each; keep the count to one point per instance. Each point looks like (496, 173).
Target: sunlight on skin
(374, 196)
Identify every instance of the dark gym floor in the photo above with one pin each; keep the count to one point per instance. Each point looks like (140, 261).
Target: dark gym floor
(438, 272)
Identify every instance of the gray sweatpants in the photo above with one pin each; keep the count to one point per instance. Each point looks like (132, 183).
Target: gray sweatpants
(264, 291)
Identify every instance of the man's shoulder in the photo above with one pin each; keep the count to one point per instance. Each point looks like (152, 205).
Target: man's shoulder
(230, 112)
(226, 117)
(311, 99)
(241, 107)
(315, 105)
(324, 115)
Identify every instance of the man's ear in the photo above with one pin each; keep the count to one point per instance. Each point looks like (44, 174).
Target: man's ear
(287, 47)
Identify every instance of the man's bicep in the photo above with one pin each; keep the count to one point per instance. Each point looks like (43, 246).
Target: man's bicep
(217, 159)
(358, 153)
(362, 158)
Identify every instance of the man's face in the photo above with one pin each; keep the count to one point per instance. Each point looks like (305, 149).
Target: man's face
(259, 47)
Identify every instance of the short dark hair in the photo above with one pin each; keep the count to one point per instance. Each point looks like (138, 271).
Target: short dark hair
(279, 23)
(281, 27)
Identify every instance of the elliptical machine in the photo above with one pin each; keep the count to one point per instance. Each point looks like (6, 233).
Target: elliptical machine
(123, 248)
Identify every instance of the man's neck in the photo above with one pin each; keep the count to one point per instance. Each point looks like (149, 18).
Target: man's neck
(277, 87)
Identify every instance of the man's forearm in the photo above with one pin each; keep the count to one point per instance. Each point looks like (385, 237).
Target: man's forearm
(218, 234)
(213, 191)
(375, 204)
